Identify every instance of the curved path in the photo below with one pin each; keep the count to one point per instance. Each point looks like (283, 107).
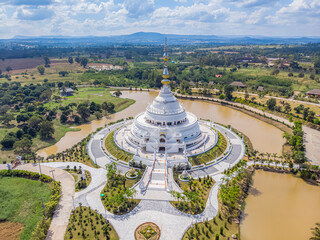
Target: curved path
(172, 222)
(61, 215)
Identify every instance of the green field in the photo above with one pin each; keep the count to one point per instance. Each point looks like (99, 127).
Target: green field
(97, 95)
(19, 202)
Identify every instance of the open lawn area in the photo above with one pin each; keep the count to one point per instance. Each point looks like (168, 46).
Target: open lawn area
(19, 202)
(97, 95)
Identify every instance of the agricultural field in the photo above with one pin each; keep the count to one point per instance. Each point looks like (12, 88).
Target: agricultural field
(19, 203)
(25, 71)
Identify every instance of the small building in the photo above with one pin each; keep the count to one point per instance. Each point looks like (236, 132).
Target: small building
(66, 92)
(192, 83)
(211, 83)
(260, 89)
(200, 83)
(238, 84)
(218, 75)
(314, 93)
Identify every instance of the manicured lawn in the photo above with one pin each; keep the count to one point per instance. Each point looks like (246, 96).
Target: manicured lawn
(87, 224)
(210, 155)
(115, 151)
(19, 202)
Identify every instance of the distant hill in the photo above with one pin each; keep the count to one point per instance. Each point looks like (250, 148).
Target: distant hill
(152, 38)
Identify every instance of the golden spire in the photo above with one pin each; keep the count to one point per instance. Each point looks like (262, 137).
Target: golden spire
(165, 74)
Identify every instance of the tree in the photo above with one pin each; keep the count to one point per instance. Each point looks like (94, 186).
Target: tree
(271, 103)
(34, 123)
(77, 59)
(63, 118)
(84, 62)
(46, 61)
(7, 118)
(84, 112)
(46, 130)
(23, 146)
(316, 232)
(106, 231)
(287, 107)
(46, 95)
(70, 60)
(228, 89)
(118, 93)
(311, 116)
(8, 141)
(305, 113)
(23, 117)
(246, 96)
(41, 69)
(98, 115)
(8, 69)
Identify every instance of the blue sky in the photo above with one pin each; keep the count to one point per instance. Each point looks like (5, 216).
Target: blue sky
(116, 17)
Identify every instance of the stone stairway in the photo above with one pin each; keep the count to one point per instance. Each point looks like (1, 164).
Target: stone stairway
(157, 180)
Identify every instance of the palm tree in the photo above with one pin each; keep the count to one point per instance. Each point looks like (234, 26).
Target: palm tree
(316, 232)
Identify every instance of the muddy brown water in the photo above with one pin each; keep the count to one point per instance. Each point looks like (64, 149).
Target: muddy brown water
(264, 137)
(279, 207)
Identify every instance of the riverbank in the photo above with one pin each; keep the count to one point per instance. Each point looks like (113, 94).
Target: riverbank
(311, 136)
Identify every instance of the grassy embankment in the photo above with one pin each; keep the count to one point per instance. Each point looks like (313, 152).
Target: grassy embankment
(210, 155)
(115, 151)
(19, 203)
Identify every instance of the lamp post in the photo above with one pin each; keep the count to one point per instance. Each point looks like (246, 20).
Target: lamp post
(44, 209)
(39, 167)
(52, 171)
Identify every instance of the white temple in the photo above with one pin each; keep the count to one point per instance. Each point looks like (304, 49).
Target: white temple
(165, 126)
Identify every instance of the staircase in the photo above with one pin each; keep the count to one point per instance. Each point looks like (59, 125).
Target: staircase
(158, 176)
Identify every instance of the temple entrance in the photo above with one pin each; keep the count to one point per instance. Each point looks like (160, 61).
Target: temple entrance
(162, 149)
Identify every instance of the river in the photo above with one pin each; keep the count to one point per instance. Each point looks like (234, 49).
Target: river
(280, 206)
(264, 137)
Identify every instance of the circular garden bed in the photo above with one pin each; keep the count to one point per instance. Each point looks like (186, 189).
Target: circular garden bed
(147, 231)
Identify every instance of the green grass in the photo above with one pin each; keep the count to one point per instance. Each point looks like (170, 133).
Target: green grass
(212, 153)
(115, 151)
(19, 202)
(211, 228)
(98, 95)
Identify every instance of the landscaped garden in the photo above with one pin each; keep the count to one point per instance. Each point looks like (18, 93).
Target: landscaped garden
(195, 194)
(20, 203)
(147, 231)
(81, 183)
(85, 223)
(225, 224)
(214, 152)
(115, 151)
(117, 197)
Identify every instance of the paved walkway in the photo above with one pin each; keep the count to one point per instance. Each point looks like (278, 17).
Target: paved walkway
(61, 216)
(172, 222)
